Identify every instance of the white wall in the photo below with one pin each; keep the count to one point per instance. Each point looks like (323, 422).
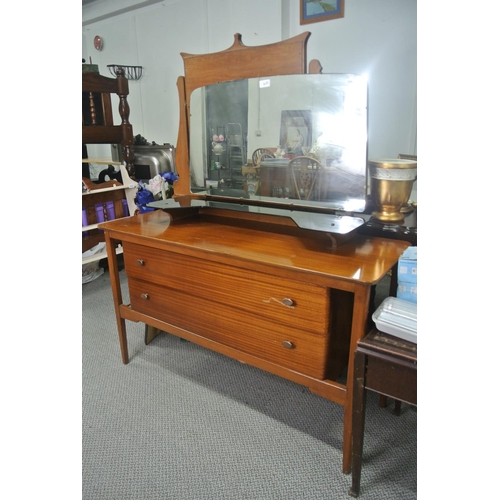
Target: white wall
(378, 39)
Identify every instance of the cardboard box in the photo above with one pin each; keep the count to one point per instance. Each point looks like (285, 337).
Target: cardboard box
(407, 266)
(407, 291)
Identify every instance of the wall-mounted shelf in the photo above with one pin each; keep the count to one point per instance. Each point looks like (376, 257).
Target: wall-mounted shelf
(130, 72)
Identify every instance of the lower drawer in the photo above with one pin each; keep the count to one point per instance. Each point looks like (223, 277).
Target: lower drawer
(236, 328)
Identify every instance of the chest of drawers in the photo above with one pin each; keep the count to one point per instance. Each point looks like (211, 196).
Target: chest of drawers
(284, 302)
(280, 320)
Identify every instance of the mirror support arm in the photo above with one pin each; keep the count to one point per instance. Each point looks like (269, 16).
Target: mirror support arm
(183, 185)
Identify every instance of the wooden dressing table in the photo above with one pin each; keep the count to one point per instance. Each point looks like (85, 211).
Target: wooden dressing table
(250, 285)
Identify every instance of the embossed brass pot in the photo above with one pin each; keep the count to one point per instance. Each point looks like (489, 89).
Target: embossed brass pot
(391, 184)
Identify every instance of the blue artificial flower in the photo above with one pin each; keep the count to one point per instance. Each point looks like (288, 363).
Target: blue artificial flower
(169, 177)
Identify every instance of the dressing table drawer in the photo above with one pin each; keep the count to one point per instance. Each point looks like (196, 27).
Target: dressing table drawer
(283, 301)
(273, 341)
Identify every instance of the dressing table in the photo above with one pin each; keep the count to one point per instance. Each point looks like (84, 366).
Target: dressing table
(284, 288)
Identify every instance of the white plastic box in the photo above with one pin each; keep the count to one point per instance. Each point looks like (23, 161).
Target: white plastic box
(397, 317)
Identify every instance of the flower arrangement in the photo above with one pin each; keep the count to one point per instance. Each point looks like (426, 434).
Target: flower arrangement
(315, 151)
(169, 178)
(160, 187)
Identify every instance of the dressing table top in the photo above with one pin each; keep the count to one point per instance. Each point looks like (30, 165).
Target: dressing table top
(259, 244)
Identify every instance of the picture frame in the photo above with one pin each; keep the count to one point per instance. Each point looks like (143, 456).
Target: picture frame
(314, 11)
(295, 131)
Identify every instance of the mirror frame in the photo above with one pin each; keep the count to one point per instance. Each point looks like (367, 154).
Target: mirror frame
(239, 61)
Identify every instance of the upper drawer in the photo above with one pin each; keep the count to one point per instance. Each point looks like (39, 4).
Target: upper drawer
(279, 299)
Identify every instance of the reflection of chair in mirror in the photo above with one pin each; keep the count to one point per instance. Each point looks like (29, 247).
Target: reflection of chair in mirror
(260, 154)
(235, 145)
(304, 172)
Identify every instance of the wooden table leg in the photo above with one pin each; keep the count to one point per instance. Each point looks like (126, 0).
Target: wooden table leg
(358, 421)
(117, 295)
(150, 333)
(397, 408)
(358, 331)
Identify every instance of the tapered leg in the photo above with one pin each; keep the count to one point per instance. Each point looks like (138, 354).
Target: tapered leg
(358, 421)
(358, 331)
(397, 408)
(117, 295)
(150, 333)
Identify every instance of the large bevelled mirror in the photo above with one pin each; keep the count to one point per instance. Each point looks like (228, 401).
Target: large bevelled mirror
(295, 139)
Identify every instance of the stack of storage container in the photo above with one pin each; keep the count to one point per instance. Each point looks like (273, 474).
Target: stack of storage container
(398, 315)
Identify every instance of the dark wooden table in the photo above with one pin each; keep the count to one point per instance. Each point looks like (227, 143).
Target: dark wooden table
(387, 365)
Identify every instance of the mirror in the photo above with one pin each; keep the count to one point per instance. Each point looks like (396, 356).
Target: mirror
(294, 139)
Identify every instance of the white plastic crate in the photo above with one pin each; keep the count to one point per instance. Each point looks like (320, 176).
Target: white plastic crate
(397, 317)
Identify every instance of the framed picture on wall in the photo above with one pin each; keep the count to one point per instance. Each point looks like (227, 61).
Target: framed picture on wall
(314, 11)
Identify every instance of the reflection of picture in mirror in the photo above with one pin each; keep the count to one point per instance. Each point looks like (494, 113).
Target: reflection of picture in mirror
(295, 138)
(295, 131)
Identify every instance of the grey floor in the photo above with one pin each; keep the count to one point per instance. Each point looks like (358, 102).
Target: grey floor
(181, 422)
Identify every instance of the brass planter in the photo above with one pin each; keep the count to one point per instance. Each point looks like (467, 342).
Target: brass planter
(391, 184)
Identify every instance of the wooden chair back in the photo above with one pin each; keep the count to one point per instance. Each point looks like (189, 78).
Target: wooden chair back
(304, 172)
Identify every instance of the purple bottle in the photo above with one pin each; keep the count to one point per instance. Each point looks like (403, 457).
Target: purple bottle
(99, 213)
(110, 210)
(125, 208)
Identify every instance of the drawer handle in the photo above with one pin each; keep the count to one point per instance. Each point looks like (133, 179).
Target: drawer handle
(140, 262)
(288, 302)
(144, 296)
(287, 344)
